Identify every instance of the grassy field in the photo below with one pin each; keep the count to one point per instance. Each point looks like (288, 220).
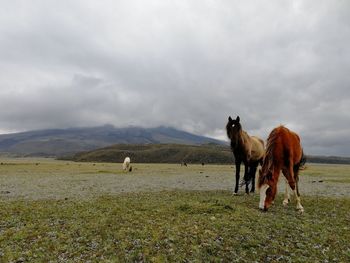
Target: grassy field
(56, 211)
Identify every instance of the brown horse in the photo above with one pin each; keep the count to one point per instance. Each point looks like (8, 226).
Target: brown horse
(246, 149)
(283, 152)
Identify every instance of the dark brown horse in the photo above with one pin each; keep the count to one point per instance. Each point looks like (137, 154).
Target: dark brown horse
(283, 153)
(246, 149)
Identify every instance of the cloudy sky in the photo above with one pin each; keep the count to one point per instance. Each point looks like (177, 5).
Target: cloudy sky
(188, 64)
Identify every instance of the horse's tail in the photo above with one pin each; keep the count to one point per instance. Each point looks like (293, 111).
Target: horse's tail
(302, 160)
(300, 164)
(248, 178)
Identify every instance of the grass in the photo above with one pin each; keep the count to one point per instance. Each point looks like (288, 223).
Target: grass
(61, 211)
(174, 226)
(329, 173)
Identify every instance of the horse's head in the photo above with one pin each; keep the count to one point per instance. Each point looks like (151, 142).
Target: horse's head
(267, 192)
(233, 127)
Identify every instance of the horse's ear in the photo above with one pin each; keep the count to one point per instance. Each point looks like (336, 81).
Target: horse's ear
(237, 119)
(229, 118)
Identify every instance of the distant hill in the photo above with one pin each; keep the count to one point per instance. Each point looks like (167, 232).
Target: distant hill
(159, 153)
(175, 153)
(58, 142)
(328, 159)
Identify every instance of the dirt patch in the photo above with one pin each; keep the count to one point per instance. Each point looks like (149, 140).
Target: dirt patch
(23, 179)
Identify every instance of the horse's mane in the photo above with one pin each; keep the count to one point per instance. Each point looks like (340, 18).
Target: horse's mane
(245, 135)
(268, 158)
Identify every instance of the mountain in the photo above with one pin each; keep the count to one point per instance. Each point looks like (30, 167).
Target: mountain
(58, 142)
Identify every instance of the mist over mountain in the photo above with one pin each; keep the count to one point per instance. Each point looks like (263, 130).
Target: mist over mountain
(58, 142)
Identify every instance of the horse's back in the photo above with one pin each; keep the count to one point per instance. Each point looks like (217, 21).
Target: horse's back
(287, 144)
(258, 148)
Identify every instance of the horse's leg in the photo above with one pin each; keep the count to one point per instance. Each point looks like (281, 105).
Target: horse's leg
(238, 168)
(252, 176)
(267, 198)
(286, 199)
(293, 184)
(246, 179)
(297, 194)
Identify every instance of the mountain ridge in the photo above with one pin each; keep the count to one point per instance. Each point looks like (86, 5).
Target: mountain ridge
(58, 142)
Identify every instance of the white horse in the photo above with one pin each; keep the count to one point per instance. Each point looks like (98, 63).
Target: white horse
(126, 164)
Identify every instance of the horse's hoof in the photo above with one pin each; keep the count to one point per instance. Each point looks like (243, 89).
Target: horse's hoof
(300, 210)
(234, 193)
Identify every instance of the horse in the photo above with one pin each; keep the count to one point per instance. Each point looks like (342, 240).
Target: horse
(283, 153)
(247, 149)
(126, 164)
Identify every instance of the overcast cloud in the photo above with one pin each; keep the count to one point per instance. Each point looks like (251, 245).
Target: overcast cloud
(188, 64)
